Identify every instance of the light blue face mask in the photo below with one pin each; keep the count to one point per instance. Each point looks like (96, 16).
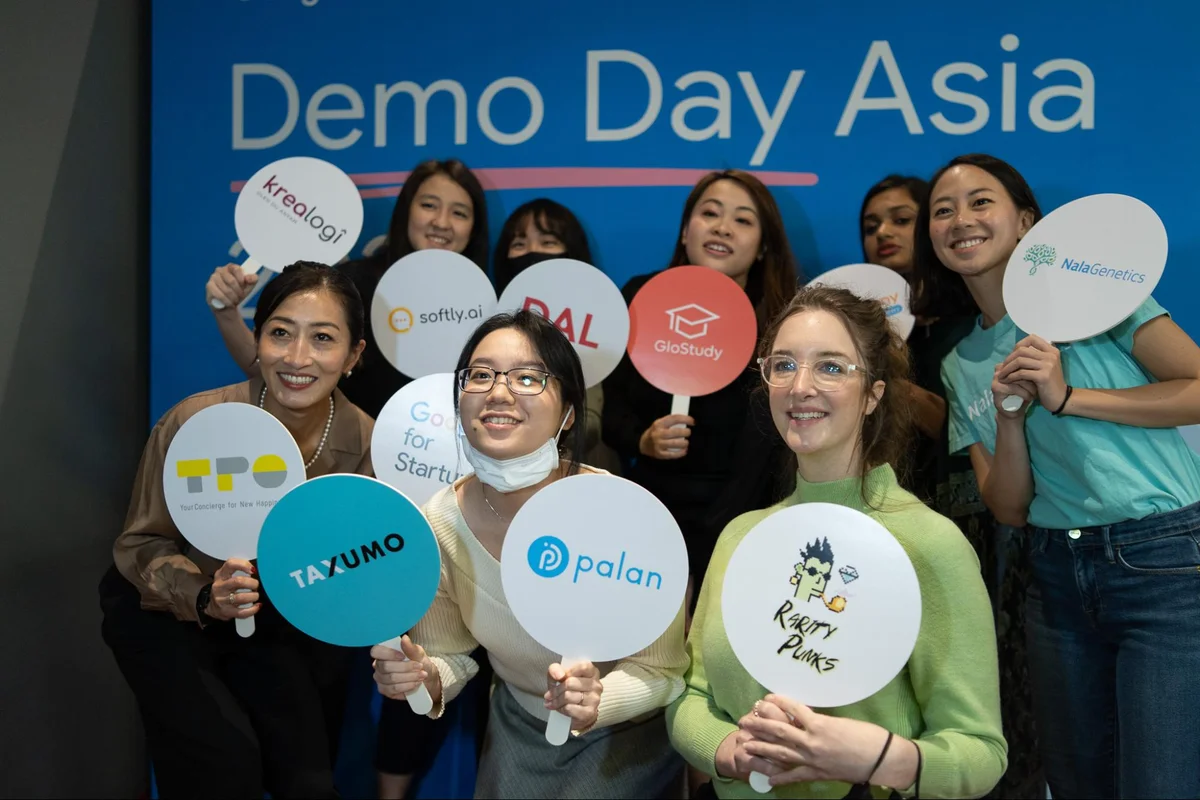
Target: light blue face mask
(513, 474)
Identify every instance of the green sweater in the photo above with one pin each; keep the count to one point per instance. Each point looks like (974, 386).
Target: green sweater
(947, 698)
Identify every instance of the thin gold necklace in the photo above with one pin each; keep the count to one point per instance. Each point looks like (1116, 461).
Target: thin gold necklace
(483, 492)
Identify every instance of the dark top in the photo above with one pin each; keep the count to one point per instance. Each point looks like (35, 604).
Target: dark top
(373, 382)
(733, 433)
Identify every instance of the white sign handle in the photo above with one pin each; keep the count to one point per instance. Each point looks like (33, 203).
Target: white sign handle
(760, 783)
(245, 627)
(249, 267)
(418, 699)
(558, 727)
(679, 405)
(1012, 403)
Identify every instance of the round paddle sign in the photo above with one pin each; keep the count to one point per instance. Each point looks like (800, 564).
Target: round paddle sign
(692, 331)
(600, 548)
(874, 282)
(296, 209)
(415, 446)
(585, 305)
(350, 561)
(426, 307)
(227, 466)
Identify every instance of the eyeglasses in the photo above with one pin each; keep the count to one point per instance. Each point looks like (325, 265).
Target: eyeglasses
(522, 380)
(814, 572)
(828, 374)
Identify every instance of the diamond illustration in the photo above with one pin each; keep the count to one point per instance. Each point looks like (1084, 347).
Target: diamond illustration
(849, 574)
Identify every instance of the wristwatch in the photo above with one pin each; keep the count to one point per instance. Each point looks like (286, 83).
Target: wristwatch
(202, 598)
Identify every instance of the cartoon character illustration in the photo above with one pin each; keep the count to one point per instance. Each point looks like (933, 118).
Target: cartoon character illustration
(812, 574)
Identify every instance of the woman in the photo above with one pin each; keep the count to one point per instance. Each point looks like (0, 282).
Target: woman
(935, 728)
(441, 206)
(539, 231)
(1098, 469)
(225, 715)
(703, 465)
(946, 482)
(521, 390)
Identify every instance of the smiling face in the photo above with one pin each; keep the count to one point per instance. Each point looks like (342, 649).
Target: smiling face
(823, 427)
(503, 424)
(974, 224)
(887, 229)
(441, 216)
(304, 349)
(724, 231)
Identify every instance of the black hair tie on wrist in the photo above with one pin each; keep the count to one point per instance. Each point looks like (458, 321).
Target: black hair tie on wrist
(1066, 397)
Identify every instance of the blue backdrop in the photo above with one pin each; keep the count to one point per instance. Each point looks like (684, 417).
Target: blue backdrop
(620, 107)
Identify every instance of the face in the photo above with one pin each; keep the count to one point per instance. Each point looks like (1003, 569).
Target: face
(973, 223)
(812, 575)
(305, 348)
(532, 240)
(503, 424)
(887, 229)
(441, 216)
(724, 231)
(821, 426)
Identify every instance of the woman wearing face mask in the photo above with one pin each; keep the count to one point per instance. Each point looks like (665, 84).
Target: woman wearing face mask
(947, 482)
(731, 224)
(539, 231)
(520, 391)
(1093, 462)
(227, 716)
(935, 728)
(440, 207)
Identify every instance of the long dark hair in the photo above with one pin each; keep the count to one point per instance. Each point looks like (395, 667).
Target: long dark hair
(549, 217)
(398, 244)
(309, 276)
(937, 290)
(561, 360)
(916, 187)
(774, 277)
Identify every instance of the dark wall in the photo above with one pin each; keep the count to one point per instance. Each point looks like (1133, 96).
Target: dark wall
(73, 377)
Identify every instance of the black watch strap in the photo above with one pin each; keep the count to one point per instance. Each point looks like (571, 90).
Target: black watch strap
(202, 598)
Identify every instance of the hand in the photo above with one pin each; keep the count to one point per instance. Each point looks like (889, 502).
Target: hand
(1039, 363)
(230, 285)
(809, 746)
(223, 602)
(575, 692)
(1000, 390)
(734, 761)
(665, 442)
(397, 674)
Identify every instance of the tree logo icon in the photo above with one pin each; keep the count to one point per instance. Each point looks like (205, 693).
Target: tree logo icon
(1040, 255)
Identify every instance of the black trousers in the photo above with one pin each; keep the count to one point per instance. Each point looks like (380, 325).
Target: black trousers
(227, 716)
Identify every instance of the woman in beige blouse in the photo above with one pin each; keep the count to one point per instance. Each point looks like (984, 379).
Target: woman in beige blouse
(521, 389)
(227, 716)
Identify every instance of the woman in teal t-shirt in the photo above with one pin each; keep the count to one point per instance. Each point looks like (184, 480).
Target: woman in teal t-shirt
(1095, 465)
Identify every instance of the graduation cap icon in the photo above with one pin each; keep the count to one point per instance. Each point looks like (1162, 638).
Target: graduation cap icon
(691, 321)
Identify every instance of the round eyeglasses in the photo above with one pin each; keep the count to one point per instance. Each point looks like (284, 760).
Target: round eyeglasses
(828, 374)
(522, 380)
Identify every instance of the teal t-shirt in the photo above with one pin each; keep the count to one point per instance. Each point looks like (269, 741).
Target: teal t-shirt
(1085, 472)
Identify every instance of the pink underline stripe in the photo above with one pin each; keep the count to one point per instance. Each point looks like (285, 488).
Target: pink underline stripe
(387, 184)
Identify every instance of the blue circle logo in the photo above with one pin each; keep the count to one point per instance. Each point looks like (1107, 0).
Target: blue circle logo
(548, 556)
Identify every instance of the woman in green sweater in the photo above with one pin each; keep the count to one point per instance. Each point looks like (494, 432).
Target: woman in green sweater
(934, 730)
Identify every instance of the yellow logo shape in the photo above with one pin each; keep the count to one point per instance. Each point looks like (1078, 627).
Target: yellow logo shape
(400, 320)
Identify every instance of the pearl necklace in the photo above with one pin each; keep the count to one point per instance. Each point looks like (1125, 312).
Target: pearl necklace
(328, 424)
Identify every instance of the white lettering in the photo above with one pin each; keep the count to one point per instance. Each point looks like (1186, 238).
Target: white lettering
(594, 59)
(770, 123)
(880, 51)
(720, 126)
(1084, 116)
(537, 111)
(240, 140)
(943, 90)
(384, 94)
(314, 114)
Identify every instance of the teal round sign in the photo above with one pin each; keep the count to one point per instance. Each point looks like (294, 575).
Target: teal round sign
(349, 560)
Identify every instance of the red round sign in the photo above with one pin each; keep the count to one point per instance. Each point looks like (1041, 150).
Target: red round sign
(692, 331)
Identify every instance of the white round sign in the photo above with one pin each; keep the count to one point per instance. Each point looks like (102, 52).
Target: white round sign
(871, 281)
(426, 307)
(225, 469)
(298, 209)
(583, 303)
(594, 567)
(415, 446)
(1085, 267)
(821, 603)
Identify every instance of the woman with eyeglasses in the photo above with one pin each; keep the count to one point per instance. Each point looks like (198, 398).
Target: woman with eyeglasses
(829, 364)
(520, 390)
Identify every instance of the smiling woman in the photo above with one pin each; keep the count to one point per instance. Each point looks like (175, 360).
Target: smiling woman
(225, 714)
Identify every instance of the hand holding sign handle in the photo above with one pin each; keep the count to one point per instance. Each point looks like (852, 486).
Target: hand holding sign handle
(571, 676)
(680, 404)
(244, 625)
(249, 267)
(419, 699)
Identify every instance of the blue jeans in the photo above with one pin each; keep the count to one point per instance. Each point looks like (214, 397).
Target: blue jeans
(1113, 623)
